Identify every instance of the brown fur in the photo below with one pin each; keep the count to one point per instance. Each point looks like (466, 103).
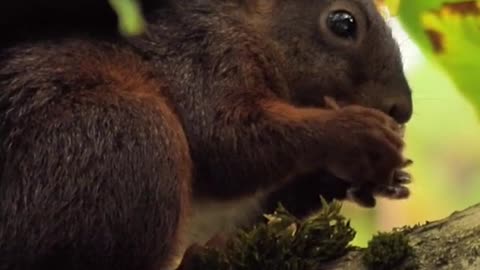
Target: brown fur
(107, 140)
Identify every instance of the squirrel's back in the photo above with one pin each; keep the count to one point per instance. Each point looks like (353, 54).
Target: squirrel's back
(95, 166)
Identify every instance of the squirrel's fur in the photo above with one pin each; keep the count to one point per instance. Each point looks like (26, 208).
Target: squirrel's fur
(108, 143)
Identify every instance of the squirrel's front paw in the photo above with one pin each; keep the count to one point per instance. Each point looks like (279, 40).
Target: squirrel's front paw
(366, 149)
(365, 196)
(397, 189)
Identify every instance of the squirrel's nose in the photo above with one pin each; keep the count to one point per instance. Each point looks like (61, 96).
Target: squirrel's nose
(399, 102)
(400, 109)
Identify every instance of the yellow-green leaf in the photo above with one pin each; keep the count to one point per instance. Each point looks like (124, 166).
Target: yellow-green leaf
(130, 16)
(393, 6)
(454, 34)
(388, 6)
(447, 32)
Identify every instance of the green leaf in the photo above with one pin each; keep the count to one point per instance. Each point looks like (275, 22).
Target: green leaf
(131, 21)
(410, 14)
(391, 5)
(454, 32)
(448, 33)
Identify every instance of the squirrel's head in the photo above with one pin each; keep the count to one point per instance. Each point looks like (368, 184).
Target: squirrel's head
(338, 48)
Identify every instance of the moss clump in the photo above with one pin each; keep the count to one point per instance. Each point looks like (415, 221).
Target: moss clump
(283, 242)
(389, 251)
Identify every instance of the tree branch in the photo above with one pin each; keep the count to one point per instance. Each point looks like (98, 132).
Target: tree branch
(450, 243)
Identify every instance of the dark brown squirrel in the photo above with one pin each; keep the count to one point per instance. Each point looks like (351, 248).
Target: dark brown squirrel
(113, 147)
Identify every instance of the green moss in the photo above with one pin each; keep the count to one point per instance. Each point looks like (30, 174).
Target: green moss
(389, 251)
(284, 242)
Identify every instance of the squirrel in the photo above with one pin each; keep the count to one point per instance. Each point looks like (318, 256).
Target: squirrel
(115, 148)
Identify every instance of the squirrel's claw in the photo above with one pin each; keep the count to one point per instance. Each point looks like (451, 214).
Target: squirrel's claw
(402, 178)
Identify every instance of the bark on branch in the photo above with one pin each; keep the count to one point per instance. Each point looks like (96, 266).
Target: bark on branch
(451, 243)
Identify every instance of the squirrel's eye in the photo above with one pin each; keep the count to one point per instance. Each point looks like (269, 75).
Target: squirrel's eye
(342, 24)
